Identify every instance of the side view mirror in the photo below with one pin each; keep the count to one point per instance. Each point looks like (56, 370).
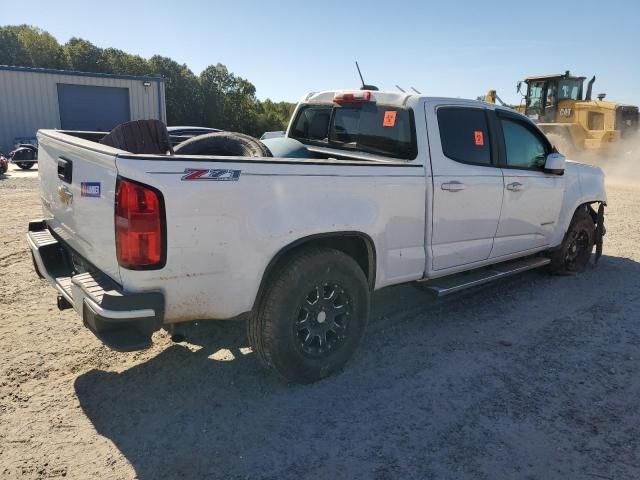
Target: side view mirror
(554, 163)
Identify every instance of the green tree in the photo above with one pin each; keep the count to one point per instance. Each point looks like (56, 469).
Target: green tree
(273, 116)
(182, 91)
(84, 56)
(229, 102)
(123, 63)
(42, 48)
(214, 82)
(11, 51)
(28, 46)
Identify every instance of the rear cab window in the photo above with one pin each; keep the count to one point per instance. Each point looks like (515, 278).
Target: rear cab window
(464, 134)
(364, 127)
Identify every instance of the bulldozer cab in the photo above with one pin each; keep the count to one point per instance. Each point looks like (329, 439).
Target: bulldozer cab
(545, 92)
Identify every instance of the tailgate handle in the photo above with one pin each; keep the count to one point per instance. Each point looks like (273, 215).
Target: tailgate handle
(65, 169)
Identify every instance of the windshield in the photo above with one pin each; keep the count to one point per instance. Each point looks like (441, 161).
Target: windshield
(534, 97)
(569, 89)
(365, 127)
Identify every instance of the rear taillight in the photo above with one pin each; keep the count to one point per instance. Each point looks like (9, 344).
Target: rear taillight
(139, 217)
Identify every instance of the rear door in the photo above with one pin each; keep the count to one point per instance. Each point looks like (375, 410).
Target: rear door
(77, 189)
(467, 184)
(532, 198)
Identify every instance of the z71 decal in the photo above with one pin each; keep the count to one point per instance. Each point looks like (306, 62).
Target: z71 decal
(215, 174)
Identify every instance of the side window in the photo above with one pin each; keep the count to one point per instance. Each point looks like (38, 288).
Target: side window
(523, 147)
(464, 134)
(313, 123)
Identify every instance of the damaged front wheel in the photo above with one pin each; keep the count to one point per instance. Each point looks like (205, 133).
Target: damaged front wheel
(572, 256)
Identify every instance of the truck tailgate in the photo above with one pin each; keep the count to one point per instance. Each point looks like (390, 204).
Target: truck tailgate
(77, 188)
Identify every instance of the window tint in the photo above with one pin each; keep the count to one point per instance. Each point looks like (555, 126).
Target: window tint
(312, 123)
(464, 134)
(524, 148)
(552, 95)
(374, 128)
(534, 97)
(570, 89)
(367, 127)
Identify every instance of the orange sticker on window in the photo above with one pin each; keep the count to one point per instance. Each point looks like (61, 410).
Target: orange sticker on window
(479, 137)
(389, 118)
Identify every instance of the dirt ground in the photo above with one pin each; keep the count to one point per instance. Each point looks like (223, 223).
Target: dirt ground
(536, 377)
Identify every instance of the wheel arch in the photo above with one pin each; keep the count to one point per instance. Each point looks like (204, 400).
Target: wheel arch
(357, 245)
(567, 218)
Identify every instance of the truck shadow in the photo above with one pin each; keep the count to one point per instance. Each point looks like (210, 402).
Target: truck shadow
(214, 413)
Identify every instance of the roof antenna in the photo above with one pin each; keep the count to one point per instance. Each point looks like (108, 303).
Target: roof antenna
(364, 85)
(398, 87)
(419, 93)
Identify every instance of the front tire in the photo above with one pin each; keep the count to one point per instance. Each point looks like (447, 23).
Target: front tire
(25, 165)
(575, 251)
(312, 315)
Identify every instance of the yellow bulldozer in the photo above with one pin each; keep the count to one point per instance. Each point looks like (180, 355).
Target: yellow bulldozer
(572, 121)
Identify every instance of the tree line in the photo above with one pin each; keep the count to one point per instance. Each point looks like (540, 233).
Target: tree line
(216, 98)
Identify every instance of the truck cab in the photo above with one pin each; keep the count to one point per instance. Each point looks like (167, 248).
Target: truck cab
(545, 94)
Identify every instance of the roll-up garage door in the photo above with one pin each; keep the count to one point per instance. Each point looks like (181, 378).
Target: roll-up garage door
(87, 107)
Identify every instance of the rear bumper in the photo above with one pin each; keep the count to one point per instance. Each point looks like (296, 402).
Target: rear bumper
(123, 321)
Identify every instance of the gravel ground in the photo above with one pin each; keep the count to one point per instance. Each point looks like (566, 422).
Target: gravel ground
(536, 377)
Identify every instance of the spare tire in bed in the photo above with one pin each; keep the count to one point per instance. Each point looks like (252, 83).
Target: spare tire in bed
(140, 136)
(230, 144)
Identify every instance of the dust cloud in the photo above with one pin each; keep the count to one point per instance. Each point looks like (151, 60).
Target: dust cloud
(620, 162)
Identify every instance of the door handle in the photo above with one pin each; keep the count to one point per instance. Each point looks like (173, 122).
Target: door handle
(453, 186)
(515, 186)
(65, 169)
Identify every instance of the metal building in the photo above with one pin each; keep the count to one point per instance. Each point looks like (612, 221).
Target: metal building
(34, 98)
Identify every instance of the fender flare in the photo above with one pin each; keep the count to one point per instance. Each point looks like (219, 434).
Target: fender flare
(319, 237)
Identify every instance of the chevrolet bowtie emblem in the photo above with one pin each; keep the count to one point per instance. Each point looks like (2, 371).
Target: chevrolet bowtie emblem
(65, 194)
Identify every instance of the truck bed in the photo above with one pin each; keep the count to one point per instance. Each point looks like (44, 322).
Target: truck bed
(227, 217)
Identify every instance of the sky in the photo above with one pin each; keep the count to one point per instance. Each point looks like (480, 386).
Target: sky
(442, 48)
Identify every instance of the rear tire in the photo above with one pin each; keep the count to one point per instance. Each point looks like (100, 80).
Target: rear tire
(312, 315)
(573, 255)
(25, 165)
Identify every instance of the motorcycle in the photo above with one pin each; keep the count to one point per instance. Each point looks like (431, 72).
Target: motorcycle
(24, 155)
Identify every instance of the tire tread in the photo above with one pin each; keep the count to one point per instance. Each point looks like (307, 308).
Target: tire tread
(260, 326)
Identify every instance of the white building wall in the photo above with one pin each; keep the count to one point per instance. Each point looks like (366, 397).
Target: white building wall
(29, 99)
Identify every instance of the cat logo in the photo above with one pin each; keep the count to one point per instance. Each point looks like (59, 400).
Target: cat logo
(565, 112)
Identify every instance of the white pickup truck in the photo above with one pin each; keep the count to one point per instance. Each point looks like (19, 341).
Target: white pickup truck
(367, 189)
